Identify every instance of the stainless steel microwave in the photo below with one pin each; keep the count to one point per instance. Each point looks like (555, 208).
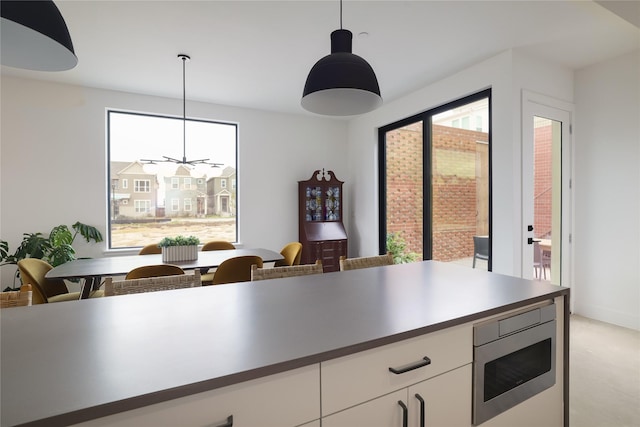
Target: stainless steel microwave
(513, 360)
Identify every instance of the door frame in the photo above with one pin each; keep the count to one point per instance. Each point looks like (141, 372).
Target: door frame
(535, 104)
(426, 118)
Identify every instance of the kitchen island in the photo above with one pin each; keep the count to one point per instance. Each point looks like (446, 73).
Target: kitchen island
(228, 353)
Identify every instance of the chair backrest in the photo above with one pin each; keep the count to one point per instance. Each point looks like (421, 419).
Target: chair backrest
(32, 272)
(280, 272)
(154, 271)
(537, 253)
(292, 252)
(481, 245)
(152, 248)
(19, 298)
(217, 245)
(236, 269)
(365, 262)
(151, 284)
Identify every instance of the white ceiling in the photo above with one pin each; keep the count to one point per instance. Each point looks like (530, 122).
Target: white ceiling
(257, 54)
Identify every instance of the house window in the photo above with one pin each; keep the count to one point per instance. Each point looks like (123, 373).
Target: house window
(163, 186)
(141, 186)
(223, 183)
(233, 184)
(142, 206)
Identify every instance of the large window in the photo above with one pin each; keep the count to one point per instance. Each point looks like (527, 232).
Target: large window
(435, 184)
(151, 200)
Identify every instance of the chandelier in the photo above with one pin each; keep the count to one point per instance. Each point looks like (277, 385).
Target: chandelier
(184, 160)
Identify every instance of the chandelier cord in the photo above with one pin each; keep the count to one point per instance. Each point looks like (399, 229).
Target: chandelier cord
(184, 111)
(184, 160)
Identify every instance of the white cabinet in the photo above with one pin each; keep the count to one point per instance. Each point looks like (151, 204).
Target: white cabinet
(381, 412)
(357, 378)
(446, 402)
(363, 390)
(287, 399)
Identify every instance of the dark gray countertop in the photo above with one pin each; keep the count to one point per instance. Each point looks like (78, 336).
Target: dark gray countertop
(72, 361)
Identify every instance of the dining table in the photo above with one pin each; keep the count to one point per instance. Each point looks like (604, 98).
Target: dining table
(93, 269)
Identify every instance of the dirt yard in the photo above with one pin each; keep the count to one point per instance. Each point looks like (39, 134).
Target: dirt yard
(206, 229)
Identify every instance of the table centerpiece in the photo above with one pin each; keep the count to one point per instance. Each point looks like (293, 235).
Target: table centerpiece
(179, 248)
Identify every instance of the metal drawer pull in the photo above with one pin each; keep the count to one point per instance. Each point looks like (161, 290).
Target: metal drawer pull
(410, 367)
(229, 422)
(421, 400)
(405, 413)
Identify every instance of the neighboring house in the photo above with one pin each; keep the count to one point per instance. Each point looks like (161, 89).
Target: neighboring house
(221, 193)
(185, 194)
(133, 191)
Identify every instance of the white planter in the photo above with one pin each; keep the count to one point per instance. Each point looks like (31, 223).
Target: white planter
(179, 253)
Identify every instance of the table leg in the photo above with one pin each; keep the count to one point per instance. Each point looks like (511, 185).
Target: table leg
(91, 283)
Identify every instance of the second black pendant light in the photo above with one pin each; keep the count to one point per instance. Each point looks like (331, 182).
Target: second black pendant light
(342, 83)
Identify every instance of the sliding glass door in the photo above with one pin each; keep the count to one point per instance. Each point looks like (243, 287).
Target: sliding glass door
(435, 184)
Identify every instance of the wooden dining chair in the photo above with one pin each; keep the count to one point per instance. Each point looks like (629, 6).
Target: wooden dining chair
(365, 262)
(19, 298)
(258, 273)
(155, 270)
(33, 272)
(236, 269)
(151, 284)
(152, 248)
(292, 252)
(214, 245)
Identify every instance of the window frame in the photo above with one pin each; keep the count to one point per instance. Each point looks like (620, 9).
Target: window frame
(426, 117)
(232, 161)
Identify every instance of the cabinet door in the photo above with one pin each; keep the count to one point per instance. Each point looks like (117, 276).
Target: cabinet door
(384, 411)
(283, 400)
(447, 400)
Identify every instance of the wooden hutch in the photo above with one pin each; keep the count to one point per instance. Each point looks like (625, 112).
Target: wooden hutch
(321, 231)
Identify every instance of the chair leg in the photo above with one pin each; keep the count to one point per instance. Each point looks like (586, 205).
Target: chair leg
(474, 261)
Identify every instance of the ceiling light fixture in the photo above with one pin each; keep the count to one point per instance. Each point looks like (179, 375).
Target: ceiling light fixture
(184, 160)
(341, 84)
(34, 36)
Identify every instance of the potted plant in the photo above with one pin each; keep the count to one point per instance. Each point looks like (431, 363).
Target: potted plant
(56, 248)
(179, 248)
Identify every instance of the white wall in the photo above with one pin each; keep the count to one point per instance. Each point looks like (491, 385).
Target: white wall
(53, 160)
(607, 187)
(506, 74)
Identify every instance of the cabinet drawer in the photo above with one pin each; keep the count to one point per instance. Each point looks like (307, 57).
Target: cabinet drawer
(283, 400)
(353, 379)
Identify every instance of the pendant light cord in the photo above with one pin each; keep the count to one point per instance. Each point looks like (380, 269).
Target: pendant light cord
(184, 112)
(340, 14)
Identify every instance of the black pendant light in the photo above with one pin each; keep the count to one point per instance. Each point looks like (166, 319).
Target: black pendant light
(184, 161)
(34, 36)
(341, 84)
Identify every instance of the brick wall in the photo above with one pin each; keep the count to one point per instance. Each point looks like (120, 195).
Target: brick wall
(455, 164)
(404, 185)
(542, 181)
(457, 159)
